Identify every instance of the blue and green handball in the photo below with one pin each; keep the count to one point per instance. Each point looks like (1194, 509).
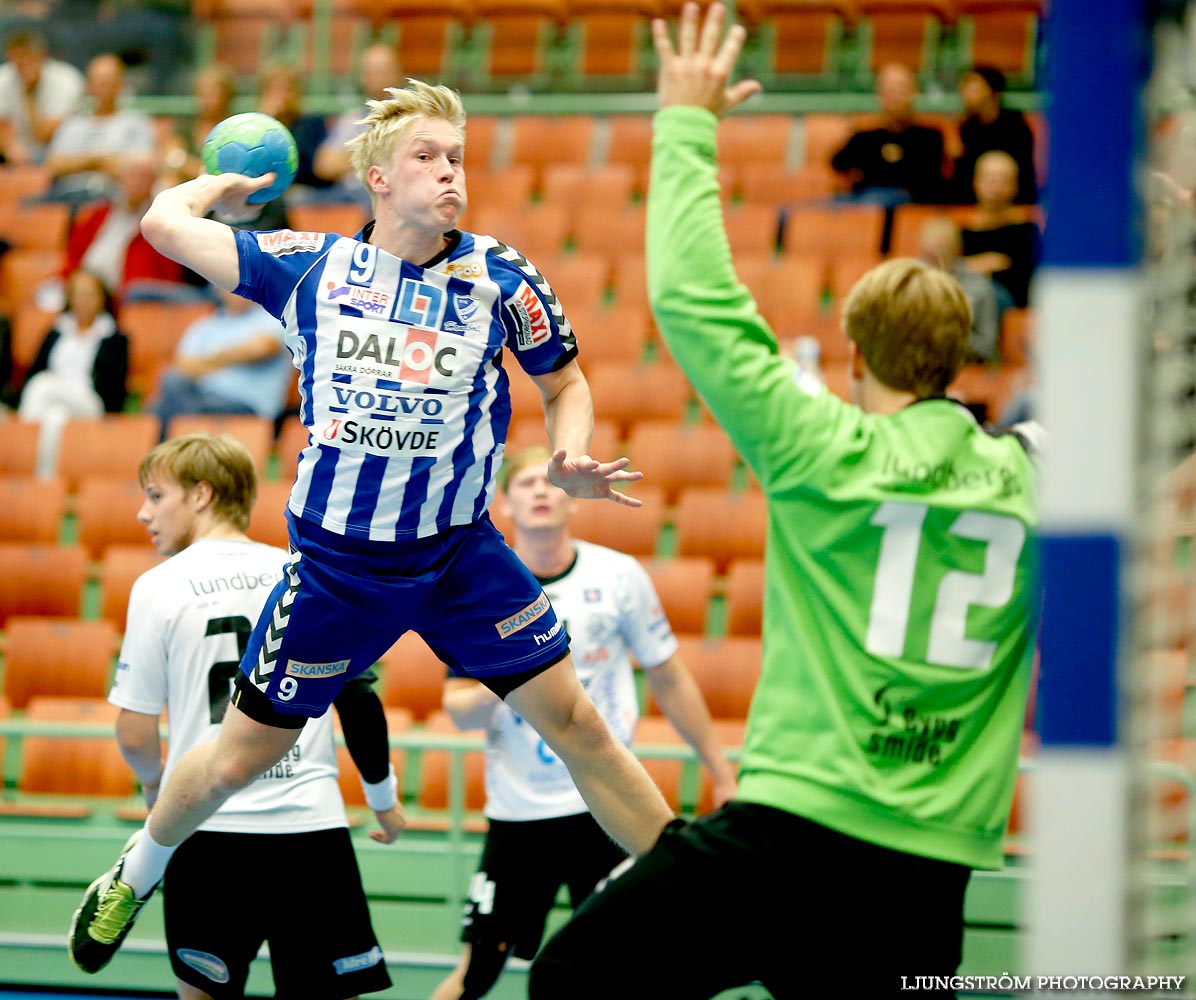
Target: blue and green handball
(253, 144)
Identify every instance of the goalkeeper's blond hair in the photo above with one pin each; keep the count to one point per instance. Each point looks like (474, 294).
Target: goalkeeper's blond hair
(388, 120)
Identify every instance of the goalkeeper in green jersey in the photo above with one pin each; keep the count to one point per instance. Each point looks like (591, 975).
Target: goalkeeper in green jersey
(899, 625)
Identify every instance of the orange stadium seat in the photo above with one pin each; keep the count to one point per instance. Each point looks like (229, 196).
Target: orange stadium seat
(57, 656)
(833, 230)
(429, 34)
(536, 230)
(775, 184)
(516, 36)
(398, 720)
(112, 446)
(17, 183)
(1001, 33)
(22, 271)
(574, 184)
(578, 280)
(18, 447)
(676, 455)
(41, 580)
(634, 531)
(730, 736)
(154, 330)
(74, 765)
(720, 524)
(38, 226)
(344, 219)
(31, 510)
(726, 670)
(106, 513)
(684, 586)
(435, 769)
(667, 773)
(505, 189)
(618, 333)
(904, 31)
(526, 400)
(609, 232)
(752, 228)
(626, 393)
(528, 431)
(629, 278)
(611, 38)
(245, 34)
(267, 520)
(756, 138)
(745, 596)
(119, 569)
(29, 328)
(788, 291)
(291, 440)
(255, 433)
(348, 32)
(847, 269)
(629, 141)
(547, 141)
(803, 38)
(412, 676)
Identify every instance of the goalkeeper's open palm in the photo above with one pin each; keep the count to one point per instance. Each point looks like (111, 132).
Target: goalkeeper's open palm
(588, 479)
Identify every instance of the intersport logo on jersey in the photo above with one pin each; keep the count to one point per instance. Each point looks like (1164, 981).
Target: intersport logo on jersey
(410, 354)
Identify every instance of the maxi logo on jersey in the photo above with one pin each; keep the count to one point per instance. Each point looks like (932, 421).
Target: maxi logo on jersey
(531, 316)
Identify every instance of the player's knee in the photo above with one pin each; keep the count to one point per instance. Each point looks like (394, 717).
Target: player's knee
(486, 962)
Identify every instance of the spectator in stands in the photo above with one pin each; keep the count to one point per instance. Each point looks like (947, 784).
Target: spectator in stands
(80, 369)
(36, 94)
(280, 93)
(898, 160)
(105, 238)
(541, 835)
(942, 247)
(233, 361)
(1001, 241)
(883, 740)
(989, 125)
(84, 156)
(214, 88)
(379, 70)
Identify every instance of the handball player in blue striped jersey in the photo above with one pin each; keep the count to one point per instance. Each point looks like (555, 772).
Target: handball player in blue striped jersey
(398, 336)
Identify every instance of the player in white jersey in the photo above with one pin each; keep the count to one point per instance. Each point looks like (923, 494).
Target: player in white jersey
(541, 835)
(398, 337)
(189, 621)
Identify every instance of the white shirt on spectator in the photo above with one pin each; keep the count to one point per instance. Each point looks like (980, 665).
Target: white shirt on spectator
(59, 90)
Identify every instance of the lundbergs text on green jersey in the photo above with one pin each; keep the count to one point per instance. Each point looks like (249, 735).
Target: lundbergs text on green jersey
(900, 598)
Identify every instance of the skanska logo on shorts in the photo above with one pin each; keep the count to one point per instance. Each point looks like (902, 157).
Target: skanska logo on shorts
(207, 965)
(316, 670)
(355, 963)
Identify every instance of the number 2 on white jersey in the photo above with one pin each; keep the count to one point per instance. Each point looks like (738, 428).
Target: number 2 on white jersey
(893, 590)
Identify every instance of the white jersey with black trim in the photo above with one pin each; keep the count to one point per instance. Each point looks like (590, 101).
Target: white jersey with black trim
(400, 371)
(610, 609)
(189, 621)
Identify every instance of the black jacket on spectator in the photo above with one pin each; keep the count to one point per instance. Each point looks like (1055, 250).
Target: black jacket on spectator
(1010, 133)
(108, 374)
(910, 160)
(1020, 242)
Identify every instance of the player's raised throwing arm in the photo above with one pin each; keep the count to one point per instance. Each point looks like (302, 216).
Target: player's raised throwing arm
(176, 227)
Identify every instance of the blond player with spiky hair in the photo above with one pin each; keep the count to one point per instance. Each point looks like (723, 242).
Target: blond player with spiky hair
(398, 336)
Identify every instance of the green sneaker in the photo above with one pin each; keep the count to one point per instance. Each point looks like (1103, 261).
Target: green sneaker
(105, 917)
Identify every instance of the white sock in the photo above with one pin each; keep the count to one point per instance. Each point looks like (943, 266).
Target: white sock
(145, 864)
